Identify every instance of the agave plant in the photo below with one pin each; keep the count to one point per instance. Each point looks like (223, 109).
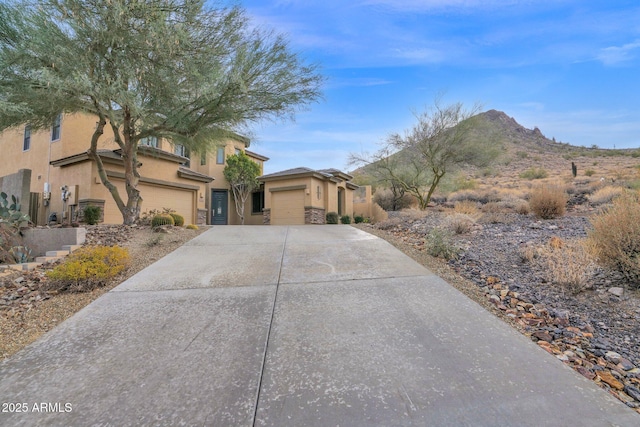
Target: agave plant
(21, 254)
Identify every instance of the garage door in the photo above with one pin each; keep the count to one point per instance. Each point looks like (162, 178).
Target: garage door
(287, 207)
(154, 197)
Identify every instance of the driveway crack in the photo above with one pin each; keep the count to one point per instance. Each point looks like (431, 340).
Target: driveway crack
(266, 344)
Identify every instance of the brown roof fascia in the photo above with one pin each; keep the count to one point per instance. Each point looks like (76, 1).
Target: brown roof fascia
(351, 186)
(120, 175)
(310, 174)
(256, 155)
(106, 156)
(194, 176)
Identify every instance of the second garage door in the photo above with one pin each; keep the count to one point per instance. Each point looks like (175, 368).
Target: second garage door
(287, 207)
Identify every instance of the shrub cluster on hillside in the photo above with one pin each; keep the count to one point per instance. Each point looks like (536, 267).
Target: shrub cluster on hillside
(548, 201)
(616, 236)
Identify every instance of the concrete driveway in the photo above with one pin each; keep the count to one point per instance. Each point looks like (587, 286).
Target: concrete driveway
(293, 326)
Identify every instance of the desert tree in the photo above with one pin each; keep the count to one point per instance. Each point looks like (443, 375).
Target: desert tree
(442, 140)
(241, 172)
(174, 69)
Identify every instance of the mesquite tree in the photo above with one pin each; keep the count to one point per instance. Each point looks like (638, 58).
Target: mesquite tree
(442, 140)
(174, 69)
(241, 172)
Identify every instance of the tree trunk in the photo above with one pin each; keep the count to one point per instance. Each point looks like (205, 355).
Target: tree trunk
(130, 212)
(93, 154)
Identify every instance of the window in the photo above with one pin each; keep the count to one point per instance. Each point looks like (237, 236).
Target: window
(150, 141)
(203, 159)
(220, 156)
(55, 128)
(238, 151)
(26, 142)
(183, 151)
(257, 202)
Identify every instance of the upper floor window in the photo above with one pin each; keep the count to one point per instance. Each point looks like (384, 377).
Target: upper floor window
(26, 142)
(238, 151)
(55, 128)
(150, 141)
(220, 156)
(183, 151)
(203, 159)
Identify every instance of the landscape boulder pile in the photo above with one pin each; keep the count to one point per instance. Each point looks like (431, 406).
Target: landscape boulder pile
(576, 346)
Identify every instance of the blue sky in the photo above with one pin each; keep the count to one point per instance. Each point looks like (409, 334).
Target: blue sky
(569, 67)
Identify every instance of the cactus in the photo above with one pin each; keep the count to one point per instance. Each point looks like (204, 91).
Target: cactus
(177, 219)
(574, 169)
(162, 219)
(10, 212)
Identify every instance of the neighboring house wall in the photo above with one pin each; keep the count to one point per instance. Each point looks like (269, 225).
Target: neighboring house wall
(364, 205)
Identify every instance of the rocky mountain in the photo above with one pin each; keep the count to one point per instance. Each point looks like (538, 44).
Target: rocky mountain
(517, 142)
(513, 135)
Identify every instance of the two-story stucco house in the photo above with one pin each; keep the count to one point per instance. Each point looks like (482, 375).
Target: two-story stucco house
(191, 184)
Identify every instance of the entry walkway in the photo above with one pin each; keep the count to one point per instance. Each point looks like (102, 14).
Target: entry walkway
(293, 326)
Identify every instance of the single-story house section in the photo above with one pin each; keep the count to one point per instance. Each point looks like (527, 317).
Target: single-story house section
(304, 196)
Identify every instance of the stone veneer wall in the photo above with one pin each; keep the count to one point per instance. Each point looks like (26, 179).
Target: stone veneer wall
(79, 213)
(266, 216)
(201, 219)
(314, 215)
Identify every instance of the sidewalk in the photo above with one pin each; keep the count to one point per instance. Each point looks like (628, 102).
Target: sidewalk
(294, 326)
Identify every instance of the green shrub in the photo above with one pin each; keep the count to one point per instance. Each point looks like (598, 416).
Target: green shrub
(589, 172)
(178, 219)
(91, 214)
(332, 218)
(439, 243)
(615, 237)
(534, 173)
(162, 219)
(191, 227)
(358, 219)
(548, 201)
(345, 219)
(88, 268)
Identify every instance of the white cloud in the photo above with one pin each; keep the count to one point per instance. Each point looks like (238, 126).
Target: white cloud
(615, 55)
(356, 82)
(435, 5)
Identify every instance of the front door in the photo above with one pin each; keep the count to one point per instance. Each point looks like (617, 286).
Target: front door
(219, 206)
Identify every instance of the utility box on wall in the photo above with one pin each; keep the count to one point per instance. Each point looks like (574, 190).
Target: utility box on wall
(73, 195)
